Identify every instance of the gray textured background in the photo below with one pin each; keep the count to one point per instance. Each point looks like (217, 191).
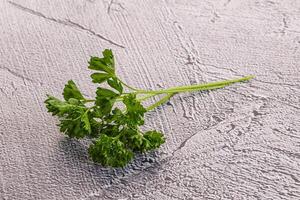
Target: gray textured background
(242, 142)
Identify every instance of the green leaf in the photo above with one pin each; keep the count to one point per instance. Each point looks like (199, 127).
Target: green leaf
(105, 99)
(57, 107)
(105, 64)
(86, 122)
(155, 138)
(134, 140)
(137, 141)
(75, 102)
(100, 65)
(74, 118)
(134, 110)
(72, 126)
(72, 91)
(105, 93)
(109, 57)
(104, 105)
(74, 122)
(114, 83)
(100, 77)
(110, 151)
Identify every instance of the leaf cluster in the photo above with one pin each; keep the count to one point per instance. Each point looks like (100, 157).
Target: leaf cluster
(113, 120)
(113, 128)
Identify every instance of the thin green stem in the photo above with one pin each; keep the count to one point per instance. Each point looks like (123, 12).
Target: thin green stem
(146, 97)
(161, 101)
(128, 86)
(173, 90)
(120, 98)
(169, 95)
(205, 86)
(88, 100)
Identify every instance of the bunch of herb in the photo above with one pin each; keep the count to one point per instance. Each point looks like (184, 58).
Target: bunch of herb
(114, 129)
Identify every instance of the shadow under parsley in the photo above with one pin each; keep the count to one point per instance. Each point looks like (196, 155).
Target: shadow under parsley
(73, 157)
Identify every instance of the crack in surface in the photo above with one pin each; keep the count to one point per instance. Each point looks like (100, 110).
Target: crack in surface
(215, 17)
(275, 83)
(217, 67)
(16, 74)
(276, 99)
(285, 28)
(65, 22)
(3, 92)
(285, 152)
(226, 3)
(94, 33)
(110, 5)
(287, 174)
(293, 31)
(284, 23)
(182, 144)
(282, 133)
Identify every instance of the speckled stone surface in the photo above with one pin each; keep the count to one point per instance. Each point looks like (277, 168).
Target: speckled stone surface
(242, 142)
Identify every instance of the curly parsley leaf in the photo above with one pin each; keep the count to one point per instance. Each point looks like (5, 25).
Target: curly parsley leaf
(104, 64)
(100, 77)
(135, 110)
(105, 100)
(74, 118)
(110, 151)
(155, 139)
(72, 91)
(116, 84)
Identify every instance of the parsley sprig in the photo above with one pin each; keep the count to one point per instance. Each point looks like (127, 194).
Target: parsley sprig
(113, 128)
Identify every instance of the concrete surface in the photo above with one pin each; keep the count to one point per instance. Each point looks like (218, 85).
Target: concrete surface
(242, 142)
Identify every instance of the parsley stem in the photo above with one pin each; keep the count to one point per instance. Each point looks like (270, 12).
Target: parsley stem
(120, 98)
(128, 86)
(146, 97)
(205, 86)
(88, 100)
(169, 95)
(161, 101)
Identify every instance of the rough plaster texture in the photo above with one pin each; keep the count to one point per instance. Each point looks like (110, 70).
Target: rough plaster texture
(242, 142)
